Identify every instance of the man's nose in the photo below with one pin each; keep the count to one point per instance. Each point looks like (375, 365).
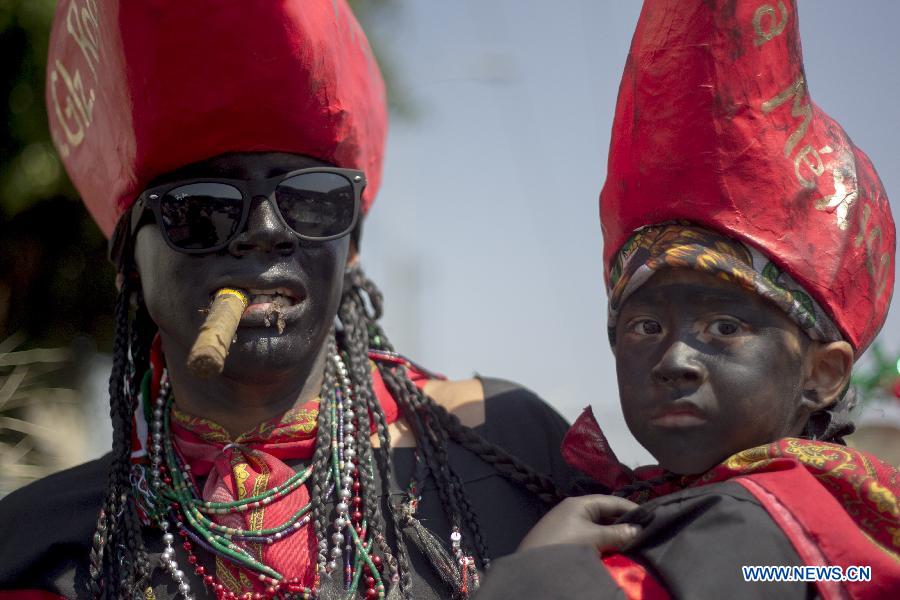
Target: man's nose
(264, 231)
(680, 364)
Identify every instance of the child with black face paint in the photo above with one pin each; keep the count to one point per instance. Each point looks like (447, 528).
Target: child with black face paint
(749, 251)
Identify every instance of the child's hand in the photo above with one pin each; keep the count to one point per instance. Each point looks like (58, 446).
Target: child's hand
(579, 520)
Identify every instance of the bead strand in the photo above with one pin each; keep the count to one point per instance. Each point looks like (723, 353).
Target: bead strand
(157, 480)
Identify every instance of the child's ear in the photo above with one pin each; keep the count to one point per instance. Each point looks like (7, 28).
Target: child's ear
(827, 373)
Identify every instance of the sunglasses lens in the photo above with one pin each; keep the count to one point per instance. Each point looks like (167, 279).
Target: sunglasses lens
(316, 205)
(199, 216)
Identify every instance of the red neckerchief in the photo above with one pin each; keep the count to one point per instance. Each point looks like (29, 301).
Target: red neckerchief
(837, 505)
(252, 463)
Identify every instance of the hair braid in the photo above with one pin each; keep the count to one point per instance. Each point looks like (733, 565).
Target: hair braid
(321, 471)
(423, 444)
(438, 438)
(430, 423)
(400, 564)
(134, 542)
(118, 557)
(462, 501)
(121, 443)
(143, 333)
(143, 330)
(508, 465)
(427, 443)
(98, 548)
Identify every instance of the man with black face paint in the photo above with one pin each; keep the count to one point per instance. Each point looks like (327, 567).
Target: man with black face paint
(749, 253)
(266, 257)
(233, 148)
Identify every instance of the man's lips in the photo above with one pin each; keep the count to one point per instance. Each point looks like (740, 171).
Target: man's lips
(678, 415)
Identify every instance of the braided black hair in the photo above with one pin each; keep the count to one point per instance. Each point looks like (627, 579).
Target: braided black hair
(118, 558)
(430, 423)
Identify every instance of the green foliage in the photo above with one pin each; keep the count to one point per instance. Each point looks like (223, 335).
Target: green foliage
(879, 377)
(30, 170)
(54, 281)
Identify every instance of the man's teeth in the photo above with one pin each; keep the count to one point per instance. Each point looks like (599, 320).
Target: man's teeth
(268, 298)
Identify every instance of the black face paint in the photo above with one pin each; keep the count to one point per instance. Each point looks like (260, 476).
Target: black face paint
(267, 259)
(706, 369)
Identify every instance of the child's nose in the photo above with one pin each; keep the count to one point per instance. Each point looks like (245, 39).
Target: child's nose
(265, 232)
(679, 365)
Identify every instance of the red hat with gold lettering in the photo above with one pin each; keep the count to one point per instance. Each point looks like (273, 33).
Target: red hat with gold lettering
(715, 126)
(138, 89)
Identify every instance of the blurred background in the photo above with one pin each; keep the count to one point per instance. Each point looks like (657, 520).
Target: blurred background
(485, 236)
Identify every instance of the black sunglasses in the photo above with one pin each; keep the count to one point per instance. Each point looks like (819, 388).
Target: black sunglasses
(204, 215)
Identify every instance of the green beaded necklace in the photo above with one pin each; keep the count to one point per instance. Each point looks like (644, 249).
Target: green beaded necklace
(174, 493)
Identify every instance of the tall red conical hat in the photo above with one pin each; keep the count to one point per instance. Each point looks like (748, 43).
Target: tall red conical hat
(137, 89)
(714, 125)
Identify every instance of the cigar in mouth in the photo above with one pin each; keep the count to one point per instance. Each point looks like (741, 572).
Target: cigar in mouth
(207, 356)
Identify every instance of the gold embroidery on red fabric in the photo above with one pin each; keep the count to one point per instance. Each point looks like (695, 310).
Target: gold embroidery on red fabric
(752, 458)
(216, 433)
(883, 498)
(849, 475)
(296, 420)
(257, 514)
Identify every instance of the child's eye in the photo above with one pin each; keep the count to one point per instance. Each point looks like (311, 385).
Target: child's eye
(725, 327)
(646, 327)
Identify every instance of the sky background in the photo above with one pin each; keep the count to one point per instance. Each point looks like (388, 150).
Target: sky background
(485, 236)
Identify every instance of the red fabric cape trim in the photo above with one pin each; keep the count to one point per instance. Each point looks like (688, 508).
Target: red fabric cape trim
(823, 533)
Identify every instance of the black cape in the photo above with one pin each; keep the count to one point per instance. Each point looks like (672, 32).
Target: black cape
(693, 543)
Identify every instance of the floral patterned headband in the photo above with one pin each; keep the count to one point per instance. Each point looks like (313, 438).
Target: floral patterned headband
(682, 245)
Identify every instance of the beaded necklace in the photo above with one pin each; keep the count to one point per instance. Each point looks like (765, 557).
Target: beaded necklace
(173, 497)
(170, 498)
